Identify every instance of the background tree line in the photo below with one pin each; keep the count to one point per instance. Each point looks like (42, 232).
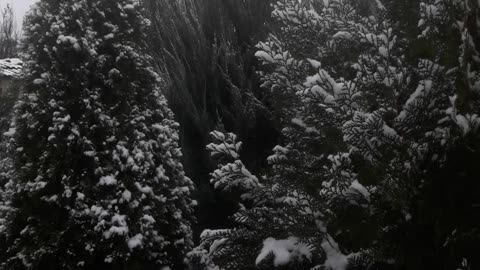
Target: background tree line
(9, 33)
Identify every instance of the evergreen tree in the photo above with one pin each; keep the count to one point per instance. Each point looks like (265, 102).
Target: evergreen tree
(98, 183)
(373, 140)
(204, 50)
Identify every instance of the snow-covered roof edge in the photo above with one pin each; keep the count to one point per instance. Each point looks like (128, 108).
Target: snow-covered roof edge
(11, 68)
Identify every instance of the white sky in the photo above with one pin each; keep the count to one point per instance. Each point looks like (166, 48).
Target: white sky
(19, 6)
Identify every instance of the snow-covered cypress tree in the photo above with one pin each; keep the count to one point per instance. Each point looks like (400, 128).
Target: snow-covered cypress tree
(98, 180)
(368, 134)
(279, 220)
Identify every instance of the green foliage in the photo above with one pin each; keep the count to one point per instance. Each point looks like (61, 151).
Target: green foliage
(98, 182)
(7, 103)
(378, 143)
(204, 50)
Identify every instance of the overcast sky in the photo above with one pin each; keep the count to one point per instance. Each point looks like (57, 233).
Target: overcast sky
(20, 7)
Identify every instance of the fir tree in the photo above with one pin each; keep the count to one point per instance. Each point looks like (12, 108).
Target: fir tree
(98, 183)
